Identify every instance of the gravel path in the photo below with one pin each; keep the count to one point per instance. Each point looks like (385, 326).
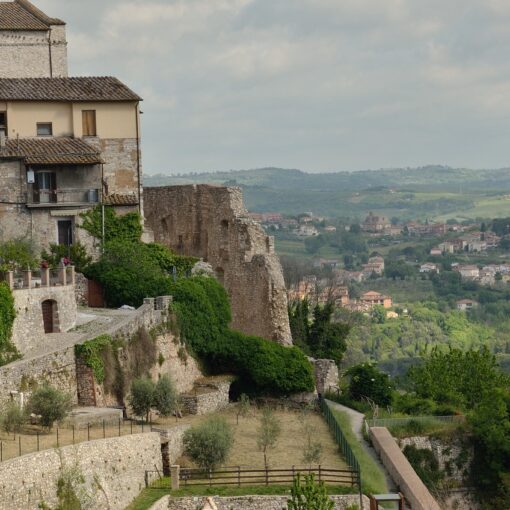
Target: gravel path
(356, 419)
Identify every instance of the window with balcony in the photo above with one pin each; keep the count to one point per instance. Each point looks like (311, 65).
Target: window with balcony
(45, 188)
(88, 118)
(44, 129)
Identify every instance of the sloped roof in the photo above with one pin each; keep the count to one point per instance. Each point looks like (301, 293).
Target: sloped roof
(22, 15)
(120, 199)
(51, 151)
(103, 88)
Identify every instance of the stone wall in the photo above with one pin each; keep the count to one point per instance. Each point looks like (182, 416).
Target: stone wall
(28, 329)
(249, 503)
(115, 467)
(326, 375)
(56, 368)
(206, 399)
(210, 222)
(26, 54)
(401, 471)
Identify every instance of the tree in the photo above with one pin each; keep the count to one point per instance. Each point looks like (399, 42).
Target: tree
(310, 496)
(12, 418)
(209, 443)
(165, 396)
(268, 432)
(378, 314)
(142, 397)
(367, 382)
(298, 319)
(312, 450)
(49, 403)
(243, 406)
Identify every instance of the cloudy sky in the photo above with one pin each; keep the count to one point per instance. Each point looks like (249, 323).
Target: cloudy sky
(320, 85)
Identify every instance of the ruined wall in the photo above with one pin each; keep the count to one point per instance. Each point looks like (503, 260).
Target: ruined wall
(28, 329)
(204, 400)
(210, 222)
(118, 465)
(26, 54)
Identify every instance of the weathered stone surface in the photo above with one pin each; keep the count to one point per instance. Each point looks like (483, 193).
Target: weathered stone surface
(249, 503)
(208, 399)
(28, 328)
(117, 464)
(210, 222)
(326, 375)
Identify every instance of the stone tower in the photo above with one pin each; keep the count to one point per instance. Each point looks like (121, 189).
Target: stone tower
(32, 45)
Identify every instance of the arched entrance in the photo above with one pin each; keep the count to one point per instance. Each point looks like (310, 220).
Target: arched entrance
(50, 316)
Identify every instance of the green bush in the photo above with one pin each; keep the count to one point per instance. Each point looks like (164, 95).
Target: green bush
(203, 313)
(12, 418)
(50, 403)
(8, 351)
(309, 496)
(76, 253)
(17, 255)
(141, 397)
(209, 443)
(367, 382)
(165, 396)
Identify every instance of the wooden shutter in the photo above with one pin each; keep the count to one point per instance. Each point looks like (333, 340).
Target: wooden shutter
(89, 122)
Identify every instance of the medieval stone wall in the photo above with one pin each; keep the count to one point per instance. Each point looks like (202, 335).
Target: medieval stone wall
(113, 469)
(210, 222)
(27, 54)
(206, 400)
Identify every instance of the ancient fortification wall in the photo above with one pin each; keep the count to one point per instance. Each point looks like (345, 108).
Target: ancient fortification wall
(118, 466)
(210, 222)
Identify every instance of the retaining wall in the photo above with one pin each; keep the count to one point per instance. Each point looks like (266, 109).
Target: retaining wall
(207, 400)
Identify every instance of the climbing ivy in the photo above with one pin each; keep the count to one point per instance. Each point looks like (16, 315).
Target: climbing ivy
(91, 353)
(8, 351)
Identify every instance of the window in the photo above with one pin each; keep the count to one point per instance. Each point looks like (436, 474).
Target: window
(65, 232)
(45, 188)
(88, 118)
(44, 129)
(3, 123)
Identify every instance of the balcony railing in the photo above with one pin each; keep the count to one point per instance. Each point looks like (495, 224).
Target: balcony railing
(63, 197)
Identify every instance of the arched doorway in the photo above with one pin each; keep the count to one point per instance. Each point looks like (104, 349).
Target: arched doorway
(50, 316)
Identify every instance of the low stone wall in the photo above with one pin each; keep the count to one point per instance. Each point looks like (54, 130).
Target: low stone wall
(250, 503)
(399, 468)
(114, 472)
(172, 445)
(208, 399)
(28, 328)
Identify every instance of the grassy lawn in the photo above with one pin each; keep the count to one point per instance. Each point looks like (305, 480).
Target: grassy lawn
(372, 477)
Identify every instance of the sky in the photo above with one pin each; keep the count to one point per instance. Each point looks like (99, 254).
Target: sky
(319, 85)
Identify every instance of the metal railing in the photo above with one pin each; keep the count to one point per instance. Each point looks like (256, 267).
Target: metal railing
(64, 196)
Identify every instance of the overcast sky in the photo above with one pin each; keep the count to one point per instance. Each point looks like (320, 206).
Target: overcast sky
(320, 85)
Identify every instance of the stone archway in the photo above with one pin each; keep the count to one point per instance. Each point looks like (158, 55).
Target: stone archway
(50, 316)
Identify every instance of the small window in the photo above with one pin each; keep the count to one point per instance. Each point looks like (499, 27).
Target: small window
(89, 122)
(44, 129)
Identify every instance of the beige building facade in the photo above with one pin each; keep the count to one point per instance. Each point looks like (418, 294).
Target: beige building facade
(66, 144)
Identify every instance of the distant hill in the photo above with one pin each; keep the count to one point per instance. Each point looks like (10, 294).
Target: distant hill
(432, 191)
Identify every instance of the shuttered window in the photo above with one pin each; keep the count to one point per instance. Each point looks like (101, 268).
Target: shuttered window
(89, 122)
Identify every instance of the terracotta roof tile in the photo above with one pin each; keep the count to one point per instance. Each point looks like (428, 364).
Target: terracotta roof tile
(104, 88)
(120, 199)
(22, 15)
(51, 151)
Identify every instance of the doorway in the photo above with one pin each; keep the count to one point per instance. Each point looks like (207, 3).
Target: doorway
(50, 316)
(45, 188)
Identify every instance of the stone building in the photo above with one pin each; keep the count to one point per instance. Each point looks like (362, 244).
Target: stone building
(32, 45)
(66, 144)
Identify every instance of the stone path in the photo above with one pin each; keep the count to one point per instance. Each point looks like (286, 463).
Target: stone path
(356, 419)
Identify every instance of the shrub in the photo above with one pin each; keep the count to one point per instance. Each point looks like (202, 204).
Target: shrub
(165, 396)
(369, 382)
(76, 253)
(17, 254)
(127, 227)
(12, 418)
(209, 443)
(142, 397)
(50, 403)
(310, 496)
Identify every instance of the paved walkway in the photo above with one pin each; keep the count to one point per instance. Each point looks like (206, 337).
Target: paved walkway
(356, 419)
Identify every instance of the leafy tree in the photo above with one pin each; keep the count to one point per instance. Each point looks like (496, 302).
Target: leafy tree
(76, 253)
(457, 377)
(8, 351)
(12, 418)
(17, 254)
(243, 407)
(312, 449)
(209, 443)
(126, 227)
(309, 496)
(142, 397)
(314, 244)
(268, 432)
(49, 403)
(165, 396)
(299, 312)
(366, 381)
(398, 270)
(379, 314)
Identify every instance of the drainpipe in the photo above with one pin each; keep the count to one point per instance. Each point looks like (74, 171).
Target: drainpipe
(138, 169)
(50, 53)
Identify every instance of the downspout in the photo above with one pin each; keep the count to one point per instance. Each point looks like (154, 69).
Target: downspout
(50, 53)
(138, 169)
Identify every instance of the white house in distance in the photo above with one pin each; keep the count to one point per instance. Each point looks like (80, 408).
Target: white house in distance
(463, 305)
(429, 267)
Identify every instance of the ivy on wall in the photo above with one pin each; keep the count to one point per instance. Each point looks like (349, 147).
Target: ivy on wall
(8, 351)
